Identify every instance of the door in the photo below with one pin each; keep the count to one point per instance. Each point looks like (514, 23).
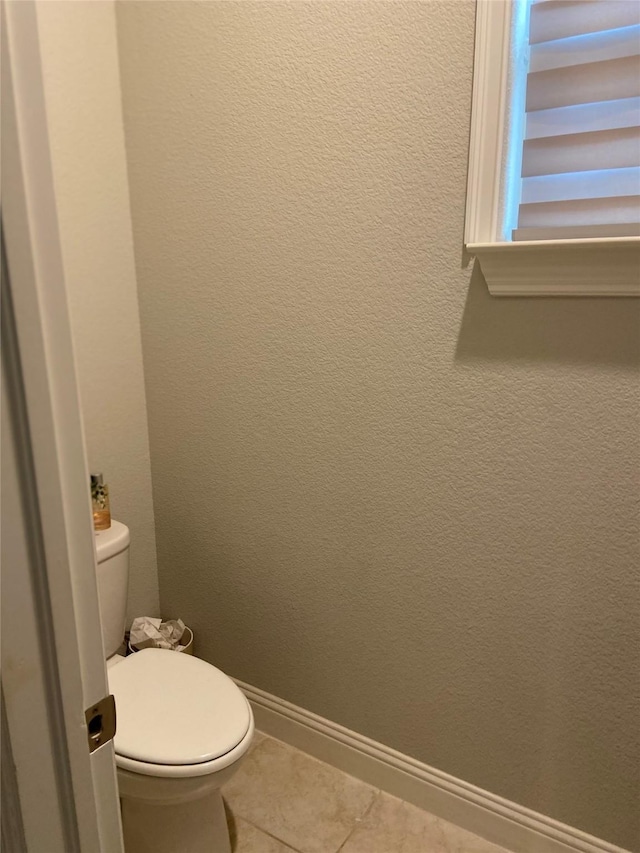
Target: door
(57, 794)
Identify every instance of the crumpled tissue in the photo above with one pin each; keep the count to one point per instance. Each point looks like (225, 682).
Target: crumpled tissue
(148, 632)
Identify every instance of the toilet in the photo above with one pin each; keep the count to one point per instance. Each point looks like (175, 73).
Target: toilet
(182, 728)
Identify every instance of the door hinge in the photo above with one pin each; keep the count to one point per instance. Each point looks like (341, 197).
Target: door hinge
(101, 722)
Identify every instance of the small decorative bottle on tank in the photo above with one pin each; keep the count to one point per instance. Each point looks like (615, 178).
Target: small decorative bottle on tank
(100, 503)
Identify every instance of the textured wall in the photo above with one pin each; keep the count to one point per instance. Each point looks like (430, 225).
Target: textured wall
(82, 83)
(381, 494)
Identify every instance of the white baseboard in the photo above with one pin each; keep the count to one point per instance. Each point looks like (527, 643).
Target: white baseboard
(500, 821)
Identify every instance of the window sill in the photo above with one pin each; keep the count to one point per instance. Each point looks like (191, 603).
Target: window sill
(588, 267)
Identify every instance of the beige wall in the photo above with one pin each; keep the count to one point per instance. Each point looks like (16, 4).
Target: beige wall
(381, 494)
(82, 83)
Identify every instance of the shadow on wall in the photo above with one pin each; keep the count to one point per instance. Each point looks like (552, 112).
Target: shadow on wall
(570, 330)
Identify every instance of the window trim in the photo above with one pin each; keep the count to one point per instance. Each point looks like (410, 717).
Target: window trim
(607, 266)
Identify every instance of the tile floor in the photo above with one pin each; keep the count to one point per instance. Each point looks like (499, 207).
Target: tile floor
(284, 801)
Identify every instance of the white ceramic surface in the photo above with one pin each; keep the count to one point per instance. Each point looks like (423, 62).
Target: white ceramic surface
(176, 709)
(112, 550)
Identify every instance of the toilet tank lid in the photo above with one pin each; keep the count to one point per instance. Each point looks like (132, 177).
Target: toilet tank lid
(112, 541)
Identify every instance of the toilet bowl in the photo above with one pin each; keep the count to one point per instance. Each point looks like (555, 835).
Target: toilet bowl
(182, 729)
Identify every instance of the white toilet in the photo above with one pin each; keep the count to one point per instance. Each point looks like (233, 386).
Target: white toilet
(182, 728)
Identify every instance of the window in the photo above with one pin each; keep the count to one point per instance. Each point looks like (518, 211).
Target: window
(553, 203)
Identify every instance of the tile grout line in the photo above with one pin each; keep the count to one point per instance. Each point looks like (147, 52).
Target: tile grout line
(358, 821)
(271, 835)
(255, 747)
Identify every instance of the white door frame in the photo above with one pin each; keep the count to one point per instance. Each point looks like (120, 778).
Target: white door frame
(53, 665)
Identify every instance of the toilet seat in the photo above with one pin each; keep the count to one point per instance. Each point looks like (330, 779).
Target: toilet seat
(190, 771)
(176, 715)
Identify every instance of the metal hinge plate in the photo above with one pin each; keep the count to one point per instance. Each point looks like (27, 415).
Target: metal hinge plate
(101, 722)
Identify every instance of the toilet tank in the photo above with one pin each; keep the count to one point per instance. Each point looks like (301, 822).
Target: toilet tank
(112, 547)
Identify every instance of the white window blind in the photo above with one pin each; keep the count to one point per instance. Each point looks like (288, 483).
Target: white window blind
(581, 149)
